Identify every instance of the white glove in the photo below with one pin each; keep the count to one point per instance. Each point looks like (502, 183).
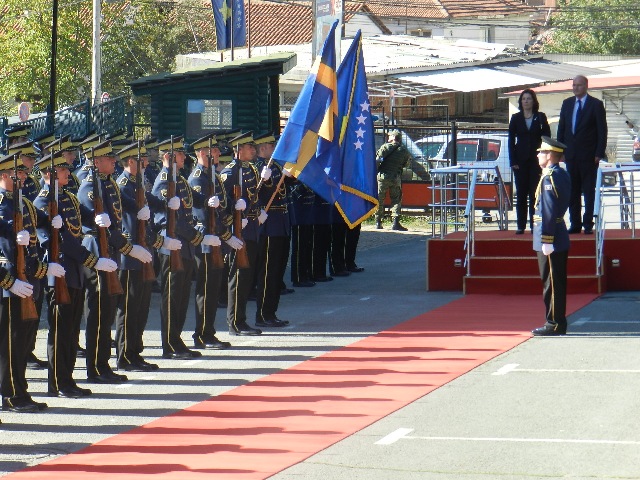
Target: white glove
(234, 242)
(21, 289)
(174, 203)
(171, 243)
(214, 202)
(547, 248)
(286, 172)
(56, 222)
(245, 222)
(265, 174)
(144, 213)
(55, 270)
(22, 238)
(262, 217)
(241, 204)
(211, 240)
(103, 220)
(106, 265)
(141, 254)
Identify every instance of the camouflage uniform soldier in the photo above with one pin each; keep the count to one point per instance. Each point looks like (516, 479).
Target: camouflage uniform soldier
(392, 157)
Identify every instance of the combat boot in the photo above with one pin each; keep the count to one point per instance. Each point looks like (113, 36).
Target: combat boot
(396, 225)
(379, 224)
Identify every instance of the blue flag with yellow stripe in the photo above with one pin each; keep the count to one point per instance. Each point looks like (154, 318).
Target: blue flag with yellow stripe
(308, 146)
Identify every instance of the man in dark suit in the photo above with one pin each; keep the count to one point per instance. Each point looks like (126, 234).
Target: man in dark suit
(583, 128)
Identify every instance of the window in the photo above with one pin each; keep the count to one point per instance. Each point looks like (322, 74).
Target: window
(206, 115)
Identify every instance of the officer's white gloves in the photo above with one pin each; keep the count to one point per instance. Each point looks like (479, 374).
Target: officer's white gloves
(55, 270)
(234, 242)
(262, 217)
(214, 202)
(21, 289)
(245, 222)
(144, 213)
(171, 243)
(103, 220)
(241, 204)
(106, 265)
(141, 254)
(174, 203)
(22, 238)
(547, 248)
(265, 174)
(56, 222)
(211, 240)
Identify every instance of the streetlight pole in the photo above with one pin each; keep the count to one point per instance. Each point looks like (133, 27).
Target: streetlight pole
(54, 54)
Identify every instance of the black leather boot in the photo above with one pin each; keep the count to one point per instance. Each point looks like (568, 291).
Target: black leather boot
(396, 225)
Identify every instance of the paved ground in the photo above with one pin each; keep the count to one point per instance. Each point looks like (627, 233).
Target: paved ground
(550, 408)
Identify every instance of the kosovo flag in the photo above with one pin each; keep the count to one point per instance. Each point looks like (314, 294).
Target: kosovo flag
(224, 12)
(308, 146)
(359, 199)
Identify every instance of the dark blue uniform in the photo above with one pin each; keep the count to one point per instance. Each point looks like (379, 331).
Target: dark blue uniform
(30, 187)
(323, 219)
(552, 202)
(208, 278)
(301, 203)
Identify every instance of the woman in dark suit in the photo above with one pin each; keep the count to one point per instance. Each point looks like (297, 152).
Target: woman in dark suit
(526, 129)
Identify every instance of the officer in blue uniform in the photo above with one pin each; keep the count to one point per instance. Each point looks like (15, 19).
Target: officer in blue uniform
(133, 306)
(209, 278)
(550, 236)
(301, 200)
(243, 172)
(175, 285)
(14, 331)
(64, 319)
(100, 305)
(28, 154)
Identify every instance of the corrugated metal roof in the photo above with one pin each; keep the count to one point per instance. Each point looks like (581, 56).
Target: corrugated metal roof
(595, 83)
(547, 70)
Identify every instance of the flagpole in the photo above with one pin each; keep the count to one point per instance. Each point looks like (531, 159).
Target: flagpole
(231, 36)
(249, 28)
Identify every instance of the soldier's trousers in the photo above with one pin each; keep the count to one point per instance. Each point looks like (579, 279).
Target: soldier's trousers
(131, 315)
(393, 184)
(270, 272)
(99, 311)
(337, 253)
(301, 251)
(351, 246)
(320, 249)
(208, 280)
(175, 290)
(62, 340)
(14, 343)
(553, 272)
(239, 284)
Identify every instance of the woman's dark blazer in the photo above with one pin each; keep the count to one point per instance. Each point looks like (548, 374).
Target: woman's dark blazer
(524, 142)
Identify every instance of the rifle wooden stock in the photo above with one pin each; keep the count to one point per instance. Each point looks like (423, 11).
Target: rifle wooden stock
(114, 287)
(148, 273)
(28, 311)
(175, 257)
(216, 252)
(242, 259)
(60, 289)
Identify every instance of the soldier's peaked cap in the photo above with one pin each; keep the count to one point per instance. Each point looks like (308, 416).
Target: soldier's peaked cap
(551, 145)
(132, 150)
(242, 139)
(58, 160)
(204, 142)
(25, 148)
(264, 138)
(45, 139)
(103, 149)
(17, 131)
(63, 143)
(90, 141)
(7, 162)
(165, 145)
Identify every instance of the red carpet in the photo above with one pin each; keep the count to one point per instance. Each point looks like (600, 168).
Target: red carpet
(261, 428)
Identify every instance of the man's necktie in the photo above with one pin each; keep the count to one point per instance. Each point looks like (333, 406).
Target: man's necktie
(578, 112)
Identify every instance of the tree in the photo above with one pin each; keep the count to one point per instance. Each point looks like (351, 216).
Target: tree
(596, 26)
(139, 37)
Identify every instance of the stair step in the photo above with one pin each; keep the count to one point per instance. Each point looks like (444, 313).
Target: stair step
(525, 285)
(522, 245)
(526, 265)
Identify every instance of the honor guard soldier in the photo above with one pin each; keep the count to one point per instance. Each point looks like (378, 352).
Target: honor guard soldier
(152, 170)
(85, 145)
(275, 236)
(302, 199)
(243, 175)
(64, 315)
(209, 261)
(16, 134)
(18, 315)
(100, 194)
(69, 151)
(136, 277)
(176, 271)
(550, 235)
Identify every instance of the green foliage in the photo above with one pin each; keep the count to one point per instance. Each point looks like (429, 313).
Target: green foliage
(596, 27)
(139, 37)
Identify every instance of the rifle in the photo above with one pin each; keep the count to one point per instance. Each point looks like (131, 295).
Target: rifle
(60, 290)
(28, 310)
(242, 259)
(148, 273)
(216, 252)
(175, 257)
(114, 287)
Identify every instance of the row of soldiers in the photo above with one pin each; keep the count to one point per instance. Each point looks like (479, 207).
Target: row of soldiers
(109, 229)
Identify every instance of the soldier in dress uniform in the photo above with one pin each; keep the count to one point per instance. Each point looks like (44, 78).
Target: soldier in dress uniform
(16, 331)
(275, 237)
(133, 306)
(175, 285)
(16, 134)
(64, 318)
(302, 199)
(100, 304)
(243, 172)
(28, 154)
(85, 145)
(550, 236)
(208, 277)
(70, 152)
